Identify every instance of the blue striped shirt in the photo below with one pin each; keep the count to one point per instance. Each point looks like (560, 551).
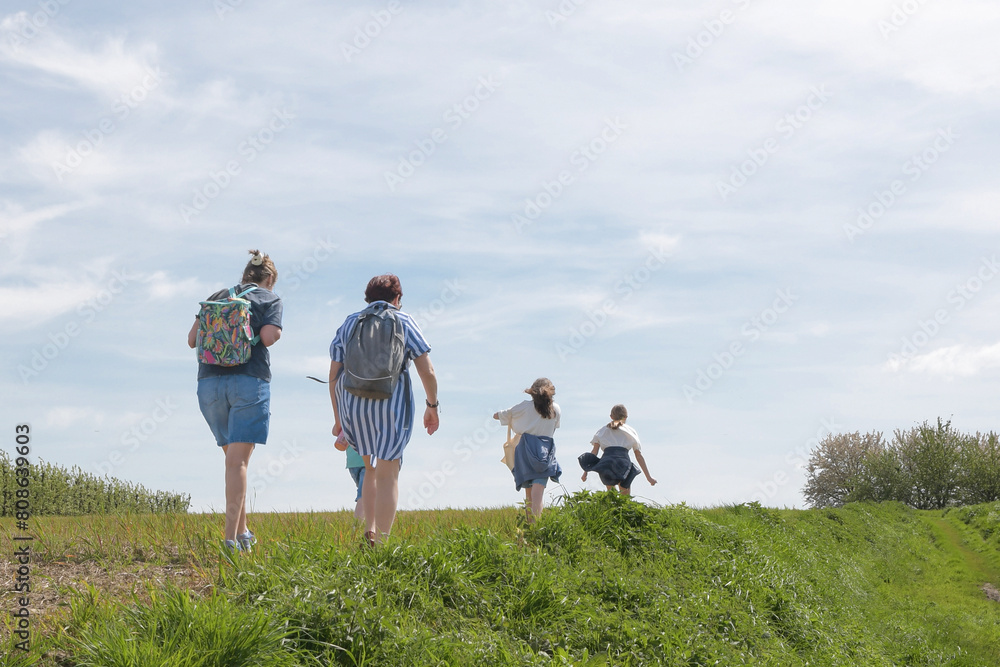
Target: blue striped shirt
(379, 428)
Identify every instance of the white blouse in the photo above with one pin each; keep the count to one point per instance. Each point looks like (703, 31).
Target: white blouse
(624, 436)
(523, 418)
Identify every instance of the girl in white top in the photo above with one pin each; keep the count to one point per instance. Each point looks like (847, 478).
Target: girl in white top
(539, 416)
(617, 434)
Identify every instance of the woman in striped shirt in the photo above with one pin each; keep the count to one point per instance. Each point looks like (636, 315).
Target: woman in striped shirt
(380, 428)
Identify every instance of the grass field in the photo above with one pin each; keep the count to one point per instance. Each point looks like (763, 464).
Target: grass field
(600, 581)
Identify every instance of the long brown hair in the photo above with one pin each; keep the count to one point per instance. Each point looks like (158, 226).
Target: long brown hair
(541, 391)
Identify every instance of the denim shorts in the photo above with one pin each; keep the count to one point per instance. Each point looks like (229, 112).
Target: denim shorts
(541, 481)
(358, 475)
(236, 407)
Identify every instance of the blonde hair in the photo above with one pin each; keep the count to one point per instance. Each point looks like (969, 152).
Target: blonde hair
(541, 391)
(618, 416)
(259, 268)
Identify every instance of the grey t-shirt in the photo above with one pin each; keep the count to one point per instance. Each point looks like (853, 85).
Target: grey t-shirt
(265, 308)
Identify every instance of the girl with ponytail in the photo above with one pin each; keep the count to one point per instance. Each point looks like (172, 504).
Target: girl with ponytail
(615, 467)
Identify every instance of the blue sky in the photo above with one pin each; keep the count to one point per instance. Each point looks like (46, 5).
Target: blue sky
(752, 222)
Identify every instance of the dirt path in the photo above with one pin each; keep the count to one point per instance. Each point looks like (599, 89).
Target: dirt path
(976, 562)
(52, 584)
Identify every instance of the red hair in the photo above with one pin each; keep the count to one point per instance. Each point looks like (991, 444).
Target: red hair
(383, 288)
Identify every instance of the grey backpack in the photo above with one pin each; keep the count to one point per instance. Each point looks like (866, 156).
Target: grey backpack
(375, 352)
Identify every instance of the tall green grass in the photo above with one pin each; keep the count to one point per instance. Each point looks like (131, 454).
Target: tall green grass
(602, 580)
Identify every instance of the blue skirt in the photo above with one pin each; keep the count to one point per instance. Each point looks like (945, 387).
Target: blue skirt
(535, 458)
(615, 467)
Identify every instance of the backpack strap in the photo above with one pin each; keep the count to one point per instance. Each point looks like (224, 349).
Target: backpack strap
(234, 295)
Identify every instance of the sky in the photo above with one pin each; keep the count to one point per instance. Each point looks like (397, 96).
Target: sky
(752, 222)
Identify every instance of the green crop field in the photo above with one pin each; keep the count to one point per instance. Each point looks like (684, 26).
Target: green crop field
(601, 580)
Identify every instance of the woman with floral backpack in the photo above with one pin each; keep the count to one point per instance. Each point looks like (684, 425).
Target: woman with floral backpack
(232, 332)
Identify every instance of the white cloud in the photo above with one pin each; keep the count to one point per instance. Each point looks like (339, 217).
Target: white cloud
(14, 219)
(110, 69)
(65, 417)
(315, 365)
(162, 286)
(31, 306)
(660, 241)
(956, 360)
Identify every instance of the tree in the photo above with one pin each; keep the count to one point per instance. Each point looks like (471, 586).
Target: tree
(837, 465)
(979, 464)
(930, 459)
(882, 478)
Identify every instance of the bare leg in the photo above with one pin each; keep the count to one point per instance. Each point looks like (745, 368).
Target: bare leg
(386, 497)
(527, 505)
(626, 492)
(610, 488)
(537, 497)
(241, 524)
(237, 458)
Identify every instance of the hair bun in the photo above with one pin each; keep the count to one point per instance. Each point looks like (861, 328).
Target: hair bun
(257, 259)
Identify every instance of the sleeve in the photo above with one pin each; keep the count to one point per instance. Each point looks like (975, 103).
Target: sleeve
(337, 345)
(416, 344)
(635, 439)
(273, 314)
(505, 416)
(596, 440)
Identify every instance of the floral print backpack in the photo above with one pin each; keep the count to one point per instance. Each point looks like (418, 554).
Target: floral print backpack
(224, 334)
